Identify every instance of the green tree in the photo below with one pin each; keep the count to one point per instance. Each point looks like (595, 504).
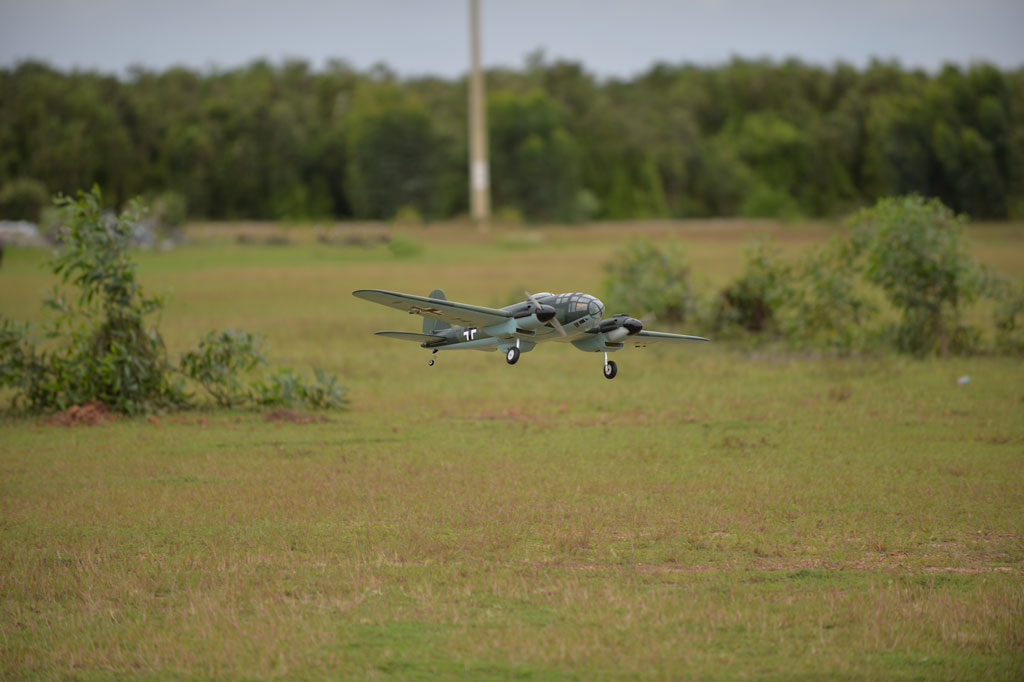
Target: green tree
(535, 162)
(394, 151)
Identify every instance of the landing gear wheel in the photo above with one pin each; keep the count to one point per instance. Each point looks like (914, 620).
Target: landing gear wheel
(512, 356)
(610, 369)
(431, 363)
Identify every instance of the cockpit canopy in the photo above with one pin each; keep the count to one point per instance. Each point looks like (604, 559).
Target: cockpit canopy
(578, 305)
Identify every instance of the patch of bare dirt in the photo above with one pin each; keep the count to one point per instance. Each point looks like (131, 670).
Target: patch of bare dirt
(283, 414)
(90, 414)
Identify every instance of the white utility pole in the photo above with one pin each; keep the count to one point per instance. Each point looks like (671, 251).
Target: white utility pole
(479, 173)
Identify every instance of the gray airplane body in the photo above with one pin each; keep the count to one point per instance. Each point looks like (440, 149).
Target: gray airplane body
(575, 318)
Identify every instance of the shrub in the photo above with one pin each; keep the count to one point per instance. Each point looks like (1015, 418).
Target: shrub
(408, 216)
(751, 301)
(826, 305)
(106, 351)
(914, 251)
(508, 215)
(1009, 314)
(22, 199)
(646, 278)
(402, 245)
(101, 347)
(219, 362)
(169, 210)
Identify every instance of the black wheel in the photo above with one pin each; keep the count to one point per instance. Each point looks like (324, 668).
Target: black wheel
(512, 356)
(610, 369)
(431, 363)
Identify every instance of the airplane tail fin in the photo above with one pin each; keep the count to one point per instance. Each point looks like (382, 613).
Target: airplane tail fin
(430, 325)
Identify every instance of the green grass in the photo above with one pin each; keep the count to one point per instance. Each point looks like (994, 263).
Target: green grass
(709, 514)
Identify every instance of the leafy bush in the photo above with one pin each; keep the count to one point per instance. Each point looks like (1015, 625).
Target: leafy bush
(402, 245)
(816, 303)
(219, 362)
(906, 251)
(223, 358)
(101, 347)
(1009, 313)
(914, 251)
(22, 199)
(285, 388)
(751, 301)
(169, 210)
(826, 305)
(645, 278)
(105, 350)
(408, 216)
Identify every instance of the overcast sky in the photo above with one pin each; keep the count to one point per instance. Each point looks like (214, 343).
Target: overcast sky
(610, 37)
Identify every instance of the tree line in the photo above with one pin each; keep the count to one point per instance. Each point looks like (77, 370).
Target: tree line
(751, 138)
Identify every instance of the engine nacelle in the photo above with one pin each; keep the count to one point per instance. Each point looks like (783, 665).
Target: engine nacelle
(616, 335)
(619, 327)
(535, 316)
(597, 343)
(531, 321)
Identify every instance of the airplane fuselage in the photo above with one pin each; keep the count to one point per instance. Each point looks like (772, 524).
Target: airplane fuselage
(577, 312)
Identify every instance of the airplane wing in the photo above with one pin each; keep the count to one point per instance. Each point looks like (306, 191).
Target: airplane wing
(449, 311)
(645, 338)
(409, 336)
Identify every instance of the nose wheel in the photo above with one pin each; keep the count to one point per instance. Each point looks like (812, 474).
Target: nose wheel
(512, 356)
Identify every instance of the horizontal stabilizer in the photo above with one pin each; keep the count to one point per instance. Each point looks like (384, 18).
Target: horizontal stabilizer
(411, 336)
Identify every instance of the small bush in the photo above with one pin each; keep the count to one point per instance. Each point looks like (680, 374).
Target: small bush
(915, 252)
(285, 388)
(586, 207)
(906, 252)
(751, 301)
(402, 245)
(1009, 314)
(102, 349)
(169, 210)
(105, 350)
(826, 306)
(22, 199)
(219, 362)
(408, 216)
(508, 215)
(646, 278)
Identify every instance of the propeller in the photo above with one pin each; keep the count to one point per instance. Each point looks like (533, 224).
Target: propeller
(545, 313)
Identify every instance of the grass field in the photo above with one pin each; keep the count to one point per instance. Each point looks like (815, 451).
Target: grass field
(712, 513)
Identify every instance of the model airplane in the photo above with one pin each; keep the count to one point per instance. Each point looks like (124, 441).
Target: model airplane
(517, 328)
